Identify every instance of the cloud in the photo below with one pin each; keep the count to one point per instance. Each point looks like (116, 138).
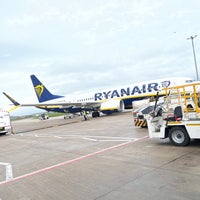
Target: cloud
(81, 45)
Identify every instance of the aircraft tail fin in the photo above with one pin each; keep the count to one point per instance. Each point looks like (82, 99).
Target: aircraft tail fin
(41, 91)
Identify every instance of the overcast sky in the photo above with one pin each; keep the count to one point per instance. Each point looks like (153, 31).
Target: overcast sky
(80, 45)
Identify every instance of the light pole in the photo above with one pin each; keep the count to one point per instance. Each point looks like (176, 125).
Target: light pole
(195, 62)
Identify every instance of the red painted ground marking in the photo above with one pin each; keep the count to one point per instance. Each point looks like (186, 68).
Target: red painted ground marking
(70, 161)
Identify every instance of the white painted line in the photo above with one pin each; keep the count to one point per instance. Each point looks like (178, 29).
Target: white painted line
(89, 139)
(9, 171)
(115, 140)
(71, 161)
(58, 137)
(42, 136)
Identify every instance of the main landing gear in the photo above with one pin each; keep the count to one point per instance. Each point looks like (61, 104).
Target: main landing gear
(95, 114)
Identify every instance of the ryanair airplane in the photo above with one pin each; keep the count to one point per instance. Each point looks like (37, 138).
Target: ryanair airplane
(106, 101)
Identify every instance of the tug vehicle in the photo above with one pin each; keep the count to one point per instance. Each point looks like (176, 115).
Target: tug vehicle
(179, 117)
(43, 116)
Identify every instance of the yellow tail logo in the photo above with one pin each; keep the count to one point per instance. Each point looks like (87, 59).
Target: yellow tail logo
(39, 90)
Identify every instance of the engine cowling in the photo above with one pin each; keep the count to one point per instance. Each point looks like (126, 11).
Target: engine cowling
(111, 106)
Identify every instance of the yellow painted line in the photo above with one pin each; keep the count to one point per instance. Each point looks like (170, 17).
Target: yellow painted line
(192, 124)
(174, 122)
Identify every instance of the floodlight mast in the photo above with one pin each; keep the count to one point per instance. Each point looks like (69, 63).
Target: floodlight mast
(195, 62)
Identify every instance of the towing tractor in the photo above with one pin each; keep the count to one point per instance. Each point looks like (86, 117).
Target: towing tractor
(179, 117)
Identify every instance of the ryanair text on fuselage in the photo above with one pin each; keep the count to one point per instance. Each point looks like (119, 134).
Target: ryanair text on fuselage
(143, 89)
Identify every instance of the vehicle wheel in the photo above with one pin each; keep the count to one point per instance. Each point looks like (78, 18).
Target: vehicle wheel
(179, 136)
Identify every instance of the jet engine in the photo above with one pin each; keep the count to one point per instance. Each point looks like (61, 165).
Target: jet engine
(111, 106)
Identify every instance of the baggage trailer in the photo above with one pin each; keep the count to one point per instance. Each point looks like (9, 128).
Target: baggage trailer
(179, 117)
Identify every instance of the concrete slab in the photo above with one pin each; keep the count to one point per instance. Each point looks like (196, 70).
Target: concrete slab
(104, 158)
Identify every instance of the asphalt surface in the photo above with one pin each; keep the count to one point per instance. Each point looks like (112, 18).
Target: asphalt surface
(100, 159)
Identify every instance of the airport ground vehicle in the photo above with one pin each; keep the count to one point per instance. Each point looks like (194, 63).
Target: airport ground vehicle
(44, 116)
(179, 117)
(5, 123)
(139, 115)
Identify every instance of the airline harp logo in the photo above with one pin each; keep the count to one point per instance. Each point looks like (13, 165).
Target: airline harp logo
(165, 84)
(39, 90)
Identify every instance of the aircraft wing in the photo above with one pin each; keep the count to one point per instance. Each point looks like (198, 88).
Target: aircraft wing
(90, 104)
(57, 104)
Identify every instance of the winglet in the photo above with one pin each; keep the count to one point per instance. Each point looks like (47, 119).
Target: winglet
(11, 99)
(13, 108)
(41, 91)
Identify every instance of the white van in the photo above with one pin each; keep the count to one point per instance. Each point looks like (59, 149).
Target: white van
(5, 124)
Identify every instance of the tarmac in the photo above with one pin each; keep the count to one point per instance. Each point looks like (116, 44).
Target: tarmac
(104, 158)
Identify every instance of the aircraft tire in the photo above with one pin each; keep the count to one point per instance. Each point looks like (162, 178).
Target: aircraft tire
(95, 114)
